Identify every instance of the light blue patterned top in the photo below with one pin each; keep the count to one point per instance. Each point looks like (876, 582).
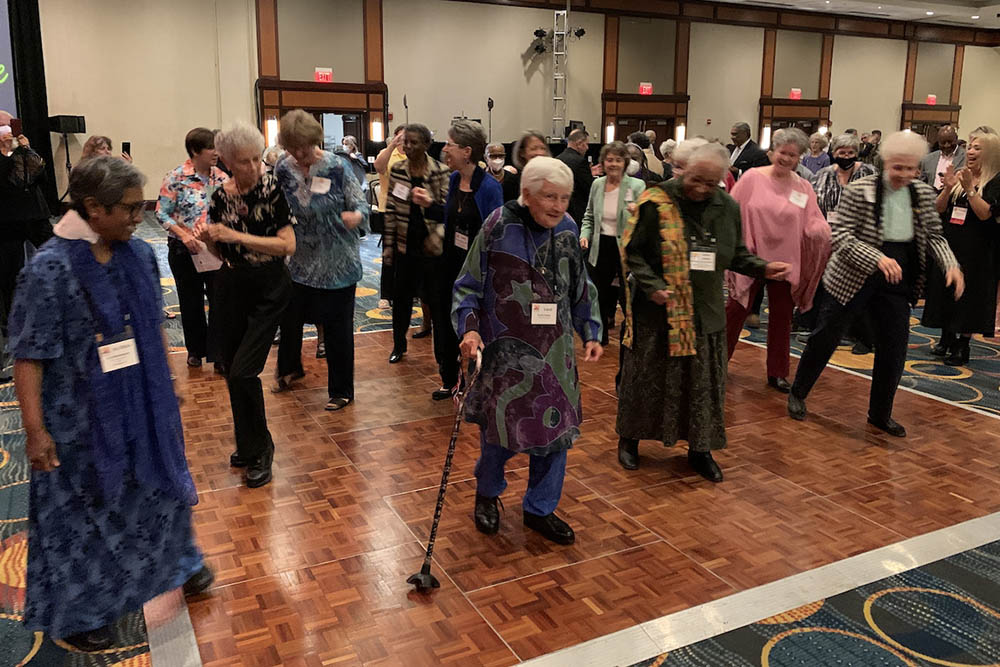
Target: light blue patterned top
(327, 253)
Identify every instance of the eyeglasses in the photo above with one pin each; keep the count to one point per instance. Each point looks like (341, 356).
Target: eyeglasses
(132, 209)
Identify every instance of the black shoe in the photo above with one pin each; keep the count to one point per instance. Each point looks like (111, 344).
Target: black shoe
(628, 453)
(91, 641)
(396, 356)
(796, 407)
(861, 349)
(194, 362)
(958, 355)
(259, 472)
(944, 344)
(781, 384)
(423, 333)
(443, 393)
(487, 515)
(703, 464)
(220, 368)
(236, 461)
(890, 426)
(550, 527)
(199, 582)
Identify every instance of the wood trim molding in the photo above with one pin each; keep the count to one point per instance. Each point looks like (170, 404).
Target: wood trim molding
(956, 74)
(826, 67)
(911, 71)
(610, 53)
(682, 55)
(374, 58)
(767, 70)
(268, 65)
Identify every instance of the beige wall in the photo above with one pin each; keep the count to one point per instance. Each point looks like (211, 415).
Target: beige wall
(797, 59)
(147, 71)
(449, 57)
(980, 92)
(867, 83)
(320, 33)
(646, 53)
(724, 78)
(935, 63)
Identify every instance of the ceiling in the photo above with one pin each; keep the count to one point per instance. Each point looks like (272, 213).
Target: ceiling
(945, 12)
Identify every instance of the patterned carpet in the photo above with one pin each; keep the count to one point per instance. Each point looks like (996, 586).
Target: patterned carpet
(945, 613)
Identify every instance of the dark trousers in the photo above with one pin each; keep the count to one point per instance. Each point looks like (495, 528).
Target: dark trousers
(200, 336)
(334, 310)
(411, 273)
(15, 233)
(607, 278)
(250, 301)
(888, 307)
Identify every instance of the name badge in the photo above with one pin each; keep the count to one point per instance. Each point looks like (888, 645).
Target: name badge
(461, 240)
(319, 185)
(400, 191)
(958, 215)
(702, 259)
(543, 314)
(800, 199)
(118, 354)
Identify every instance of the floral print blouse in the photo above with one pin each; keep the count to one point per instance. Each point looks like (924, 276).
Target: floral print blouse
(260, 212)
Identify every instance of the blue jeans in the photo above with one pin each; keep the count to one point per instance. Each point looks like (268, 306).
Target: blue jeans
(545, 477)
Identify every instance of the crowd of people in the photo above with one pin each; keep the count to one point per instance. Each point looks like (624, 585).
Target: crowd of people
(509, 263)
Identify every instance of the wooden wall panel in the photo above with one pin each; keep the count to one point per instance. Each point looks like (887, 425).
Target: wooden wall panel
(646, 109)
(826, 68)
(811, 21)
(658, 7)
(731, 14)
(682, 53)
(611, 53)
(267, 39)
(373, 41)
(956, 74)
(863, 27)
(698, 11)
(911, 72)
(767, 71)
(310, 99)
(271, 98)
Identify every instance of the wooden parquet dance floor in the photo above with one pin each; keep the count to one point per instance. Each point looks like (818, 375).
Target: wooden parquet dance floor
(311, 569)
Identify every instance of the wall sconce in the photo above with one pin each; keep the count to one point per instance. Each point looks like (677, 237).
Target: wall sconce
(765, 137)
(680, 133)
(378, 134)
(271, 130)
(823, 129)
(609, 133)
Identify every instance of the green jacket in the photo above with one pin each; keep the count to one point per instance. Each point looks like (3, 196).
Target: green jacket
(590, 229)
(721, 220)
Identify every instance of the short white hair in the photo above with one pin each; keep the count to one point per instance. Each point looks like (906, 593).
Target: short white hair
(667, 147)
(790, 135)
(709, 152)
(239, 137)
(903, 144)
(686, 148)
(542, 169)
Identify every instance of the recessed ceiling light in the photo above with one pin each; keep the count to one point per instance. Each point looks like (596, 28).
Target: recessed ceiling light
(930, 13)
(975, 18)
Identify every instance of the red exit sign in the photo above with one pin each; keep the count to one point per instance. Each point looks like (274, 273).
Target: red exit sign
(323, 75)
(645, 88)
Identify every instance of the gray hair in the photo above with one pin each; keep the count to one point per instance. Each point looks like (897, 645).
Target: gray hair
(825, 140)
(667, 148)
(520, 144)
(469, 133)
(790, 135)
(237, 138)
(846, 141)
(709, 152)
(745, 127)
(903, 144)
(981, 130)
(105, 178)
(498, 145)
(543, 169)
(685, 149)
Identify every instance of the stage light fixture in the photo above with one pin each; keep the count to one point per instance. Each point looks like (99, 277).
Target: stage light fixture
(579, 32)
(540, 33)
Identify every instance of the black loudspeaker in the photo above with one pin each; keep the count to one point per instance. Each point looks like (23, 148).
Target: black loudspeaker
(67, 124)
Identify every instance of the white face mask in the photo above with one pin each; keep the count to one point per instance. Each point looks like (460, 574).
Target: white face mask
(633, 168)
(496, 164)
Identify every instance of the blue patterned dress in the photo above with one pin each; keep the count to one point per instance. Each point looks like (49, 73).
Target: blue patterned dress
(89, 561)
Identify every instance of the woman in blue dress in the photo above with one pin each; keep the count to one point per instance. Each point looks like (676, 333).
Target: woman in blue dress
(110, 519)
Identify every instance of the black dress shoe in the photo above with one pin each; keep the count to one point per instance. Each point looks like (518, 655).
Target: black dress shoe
(199, 582)
(396, 356)
(220, 368)
(959, 353)
(443, 393)
(796, 407)
(890, 426)
(487, 515)
(91, 641)
(236, 461)
(194, 362)
(860, 349)
(550, 527)
(628, 453)
(703, 464)
(939, 350)
(781, 384)
(423, 333)
(259, 472)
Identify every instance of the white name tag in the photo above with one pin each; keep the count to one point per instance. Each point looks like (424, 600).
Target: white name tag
(319, 185)
(400, 191)
(115, 356)
(800, 199)
(543, 313)
(702, 260)
(958, 215)
(461, 240)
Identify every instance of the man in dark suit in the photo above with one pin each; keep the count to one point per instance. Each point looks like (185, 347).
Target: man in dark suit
(575, 158)
(744, 152)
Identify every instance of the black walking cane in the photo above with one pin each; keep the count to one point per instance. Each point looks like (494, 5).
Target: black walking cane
(424, 580)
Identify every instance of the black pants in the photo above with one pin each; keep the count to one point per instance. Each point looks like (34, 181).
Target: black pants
(15, 233)
(250, 301)
(200, 336)
(607, 278)
(888, 307)
(334, 310)
(411, 272)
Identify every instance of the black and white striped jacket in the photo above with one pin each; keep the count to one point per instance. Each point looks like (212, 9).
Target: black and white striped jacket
(857, 238)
